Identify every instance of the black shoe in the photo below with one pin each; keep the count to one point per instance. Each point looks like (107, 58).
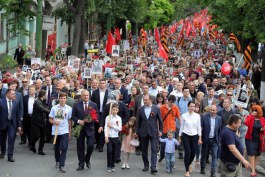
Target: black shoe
(100, 150)
(22, 142)
(2, 156)
(41, 153)
(161, 158)
(138, 152)
(207, 161)
(33, 149)
(80, 167)
(203, 171)
(62, 169)
(213, 174)
(118, 161)
(11, 159)
(88, 165)
(153, 171)
(146, 168)
(180, 155)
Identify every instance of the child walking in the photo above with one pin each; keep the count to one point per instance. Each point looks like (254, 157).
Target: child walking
(128, 129)
(112, 128)
(169, 150)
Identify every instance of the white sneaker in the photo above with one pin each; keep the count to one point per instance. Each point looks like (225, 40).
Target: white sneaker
(109, 170)
(123, 166)
(127, 166)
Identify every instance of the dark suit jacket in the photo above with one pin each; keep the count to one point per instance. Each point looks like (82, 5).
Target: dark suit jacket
(78, 113)
(170, 89)
(45, 88)
(96, 98)
(123, 113)
(19, 55)
(40, 110)
(204, 102)
(16, 119)
(3, 93)
(19, 99)
(124, 93)
(138, 101)
(20, 90)
(206, 128)
(145, 127)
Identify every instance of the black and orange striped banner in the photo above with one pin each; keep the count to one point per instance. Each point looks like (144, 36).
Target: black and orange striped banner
(247, 57)
(164, 42)
(233, 38)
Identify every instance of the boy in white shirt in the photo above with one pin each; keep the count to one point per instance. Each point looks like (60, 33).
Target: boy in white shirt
(113, 126)
(169, 150)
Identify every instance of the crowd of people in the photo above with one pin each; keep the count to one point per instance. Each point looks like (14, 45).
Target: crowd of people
(184, 104)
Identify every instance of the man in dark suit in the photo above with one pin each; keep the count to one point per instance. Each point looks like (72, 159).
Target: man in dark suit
(24, 90)
(139, 99)
(28, 101)
(50, 90)
(211, 131)
(19, 54)
(139, 102)
(80, 111)
(209, 100)
(169, 86)
(100, 97)
(149, 127)
(10, 122)
(124, 92)
(2, 90)
(94, 86)
(123, 113)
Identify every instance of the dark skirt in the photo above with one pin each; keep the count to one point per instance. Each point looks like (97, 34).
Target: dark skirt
(252, 147)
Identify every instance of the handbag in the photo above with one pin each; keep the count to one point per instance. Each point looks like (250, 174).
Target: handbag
(135, 142)
(262, 143)
(231, 167)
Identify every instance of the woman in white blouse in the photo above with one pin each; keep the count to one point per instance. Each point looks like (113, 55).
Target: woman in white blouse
(190, 135)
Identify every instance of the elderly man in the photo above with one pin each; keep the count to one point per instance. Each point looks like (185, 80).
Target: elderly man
(79, 112)
(124, 92)
(19, 54)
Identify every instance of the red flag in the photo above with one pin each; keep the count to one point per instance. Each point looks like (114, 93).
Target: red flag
(162, 52)
(110, 42)
(156, 35)
(118, 35)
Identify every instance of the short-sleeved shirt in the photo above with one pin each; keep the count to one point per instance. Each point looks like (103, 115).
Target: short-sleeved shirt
(63, 114)
(229, 137)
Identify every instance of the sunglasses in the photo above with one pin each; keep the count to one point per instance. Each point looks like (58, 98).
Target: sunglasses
(254, 110)
(24, 81)
(229, 95)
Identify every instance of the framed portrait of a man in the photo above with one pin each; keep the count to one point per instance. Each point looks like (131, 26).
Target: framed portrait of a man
(87, 73)
(242, 98)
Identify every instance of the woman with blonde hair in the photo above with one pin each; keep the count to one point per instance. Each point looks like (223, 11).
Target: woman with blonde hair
(256, 129)
(198, 101)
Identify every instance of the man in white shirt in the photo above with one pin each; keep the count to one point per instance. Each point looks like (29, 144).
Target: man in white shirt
(154, 89)
(177, 91)
(60, 118)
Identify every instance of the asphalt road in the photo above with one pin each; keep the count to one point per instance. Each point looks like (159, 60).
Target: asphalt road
(28, 164)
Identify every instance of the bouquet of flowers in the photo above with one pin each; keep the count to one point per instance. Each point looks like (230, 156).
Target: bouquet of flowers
(90, 117)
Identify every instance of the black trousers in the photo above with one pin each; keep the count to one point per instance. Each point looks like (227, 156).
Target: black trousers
(190, 144)
(112, 147)
(37, 133)
(82, 158)
(145, 144)
(26, 135)
(48, 134)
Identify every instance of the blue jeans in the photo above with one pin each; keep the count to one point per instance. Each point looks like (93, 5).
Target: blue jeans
(170, 160)
(211, 144)
(60, 148)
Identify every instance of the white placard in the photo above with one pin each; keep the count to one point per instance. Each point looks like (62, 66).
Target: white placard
(115, 50)
(242, 98)
(87, 73)
(35, 63)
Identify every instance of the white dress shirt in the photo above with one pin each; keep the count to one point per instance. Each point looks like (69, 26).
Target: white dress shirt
(30, 104)
(101, 98)
(190, 124)
(115, 121)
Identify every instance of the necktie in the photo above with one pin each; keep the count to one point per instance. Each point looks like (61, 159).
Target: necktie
(86, 108)
(10, 110)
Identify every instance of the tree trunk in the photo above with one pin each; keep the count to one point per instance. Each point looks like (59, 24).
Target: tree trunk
(39, 29)
(69, 32)
(77, 30)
